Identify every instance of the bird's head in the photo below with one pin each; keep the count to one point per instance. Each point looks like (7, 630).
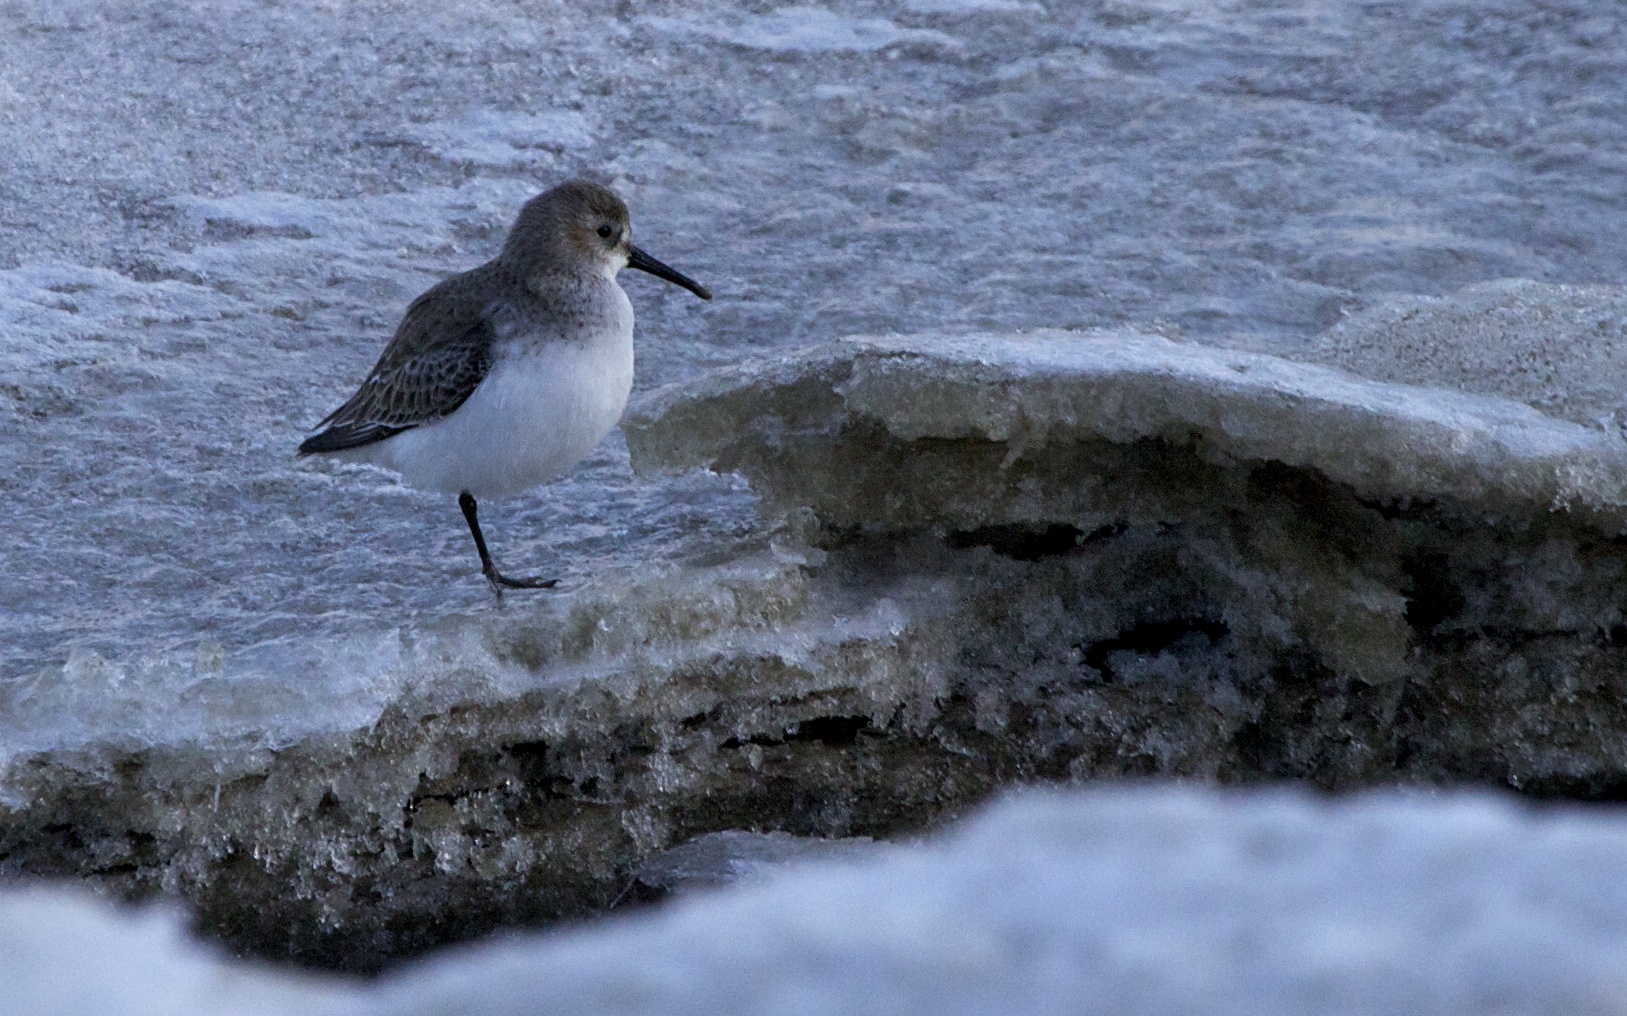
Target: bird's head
(586, 225)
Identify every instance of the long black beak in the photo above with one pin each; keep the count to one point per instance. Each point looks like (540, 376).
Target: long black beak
(644, 263)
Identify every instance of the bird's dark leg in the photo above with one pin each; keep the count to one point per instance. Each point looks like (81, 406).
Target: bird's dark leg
(498, 580)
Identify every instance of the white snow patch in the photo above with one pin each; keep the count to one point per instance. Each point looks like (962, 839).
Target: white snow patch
(1137, 902)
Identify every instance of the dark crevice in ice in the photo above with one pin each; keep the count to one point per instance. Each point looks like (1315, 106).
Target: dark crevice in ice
(1022, 543)
(1433, 597)
(1151, 637)
(1586, 789)
(831, 730)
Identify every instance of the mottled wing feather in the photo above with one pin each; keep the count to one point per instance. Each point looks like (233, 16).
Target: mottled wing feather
(439, 355)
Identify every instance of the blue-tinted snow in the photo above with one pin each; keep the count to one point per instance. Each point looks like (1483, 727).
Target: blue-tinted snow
(1131, 902)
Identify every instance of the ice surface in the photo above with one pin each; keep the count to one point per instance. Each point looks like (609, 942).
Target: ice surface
(272, 183)
(1562, 349)
(808, 30)
(968, 7)
(504, 140)
(1131, 901)
(149, 433)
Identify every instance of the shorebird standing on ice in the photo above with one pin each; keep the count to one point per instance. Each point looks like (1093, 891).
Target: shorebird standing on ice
(508, 374)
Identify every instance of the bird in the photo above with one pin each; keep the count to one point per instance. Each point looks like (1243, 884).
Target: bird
(502, 377)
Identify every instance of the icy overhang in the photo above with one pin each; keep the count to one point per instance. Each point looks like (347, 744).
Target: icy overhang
(782, 422)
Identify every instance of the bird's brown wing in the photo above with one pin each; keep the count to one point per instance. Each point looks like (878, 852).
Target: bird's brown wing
(439, 355)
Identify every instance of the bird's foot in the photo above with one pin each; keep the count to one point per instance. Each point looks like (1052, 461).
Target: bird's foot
(500, 582)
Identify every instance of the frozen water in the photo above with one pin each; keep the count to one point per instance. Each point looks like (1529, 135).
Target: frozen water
(1129, 901)
(807, 30)
(214, 214)
(504, 140)
(1562, 349)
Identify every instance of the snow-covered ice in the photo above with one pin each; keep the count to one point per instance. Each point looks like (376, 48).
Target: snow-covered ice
(140, 963)
(1133, 901)
(1047, 387)
(1127, 901)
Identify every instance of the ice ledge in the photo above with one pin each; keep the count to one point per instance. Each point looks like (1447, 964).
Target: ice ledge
(1025, 391)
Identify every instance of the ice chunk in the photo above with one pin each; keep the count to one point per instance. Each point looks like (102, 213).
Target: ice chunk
(1084, 555)
(704, 676)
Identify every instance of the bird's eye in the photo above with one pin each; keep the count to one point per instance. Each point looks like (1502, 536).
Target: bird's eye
(604, 231)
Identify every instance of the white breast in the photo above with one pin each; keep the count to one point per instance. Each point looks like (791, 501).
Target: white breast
(547, 402)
